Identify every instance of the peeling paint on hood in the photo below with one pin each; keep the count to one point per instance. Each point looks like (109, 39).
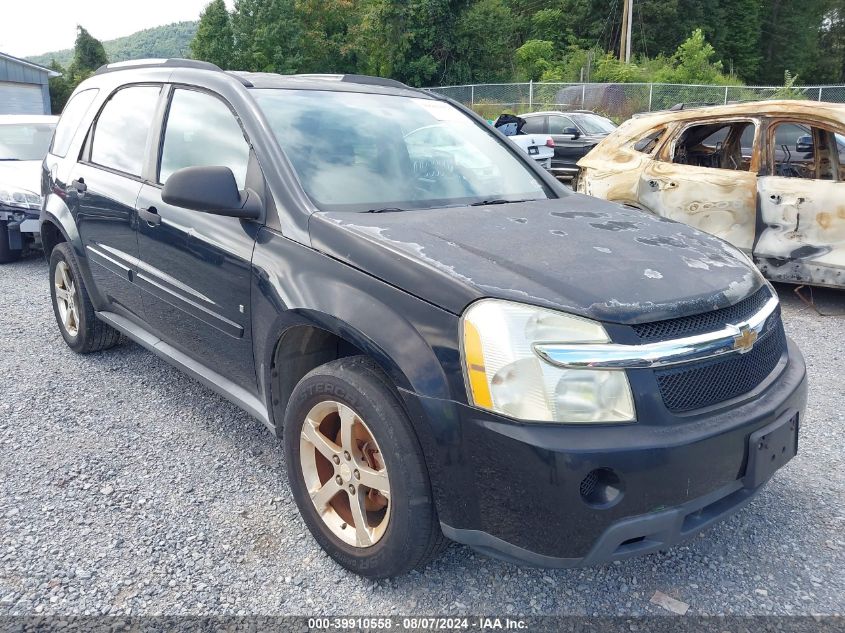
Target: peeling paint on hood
(454, 256)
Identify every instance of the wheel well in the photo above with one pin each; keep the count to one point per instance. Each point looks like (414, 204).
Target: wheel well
(50, 236)
(299, 350)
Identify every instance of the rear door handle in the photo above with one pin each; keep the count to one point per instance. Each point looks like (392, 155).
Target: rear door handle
(150, 216)
(662, 184)
(79, 185)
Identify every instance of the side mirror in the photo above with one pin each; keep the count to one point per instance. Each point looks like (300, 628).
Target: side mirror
(211, 190)
(804, 145)
(573, 132)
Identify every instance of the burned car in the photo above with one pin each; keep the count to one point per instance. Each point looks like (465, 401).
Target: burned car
(768, 177)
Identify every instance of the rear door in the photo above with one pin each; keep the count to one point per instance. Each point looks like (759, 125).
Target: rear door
(705, 178)
(195, 267)
(802, 204)
(104, 187)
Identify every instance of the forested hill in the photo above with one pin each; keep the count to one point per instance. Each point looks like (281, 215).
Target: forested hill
(170, 40)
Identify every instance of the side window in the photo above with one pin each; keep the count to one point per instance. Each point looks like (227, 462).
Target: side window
(720, 145)
(120, 133)
(649, 143)
(202, 131)
(804, 151)
(533, 125)
(557, 124)
(72, 115)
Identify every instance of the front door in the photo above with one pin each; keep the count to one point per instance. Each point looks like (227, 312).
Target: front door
(707, 179)
(569, 148)
(195, 268)
(802, 206)
(104, 188)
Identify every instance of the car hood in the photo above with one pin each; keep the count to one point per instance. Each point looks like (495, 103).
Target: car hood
(24, 174)
(577, 254)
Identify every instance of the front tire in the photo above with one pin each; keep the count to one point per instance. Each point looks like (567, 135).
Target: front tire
(357, 471)
(7, 254)
(82, 330)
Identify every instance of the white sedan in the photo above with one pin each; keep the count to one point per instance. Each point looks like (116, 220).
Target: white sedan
(24, 140)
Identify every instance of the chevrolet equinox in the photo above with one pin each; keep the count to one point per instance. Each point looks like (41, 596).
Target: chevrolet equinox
(449, 349)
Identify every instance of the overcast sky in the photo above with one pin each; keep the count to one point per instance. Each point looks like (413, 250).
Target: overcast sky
(32, 27)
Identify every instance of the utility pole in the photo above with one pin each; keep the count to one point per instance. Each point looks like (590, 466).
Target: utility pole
(627, 23)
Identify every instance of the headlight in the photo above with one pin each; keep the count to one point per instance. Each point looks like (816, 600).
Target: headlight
(505, 375)
(12, 196)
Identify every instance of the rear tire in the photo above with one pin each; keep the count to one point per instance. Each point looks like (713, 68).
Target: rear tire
(7, 254)
(401, 529)
(82, 330)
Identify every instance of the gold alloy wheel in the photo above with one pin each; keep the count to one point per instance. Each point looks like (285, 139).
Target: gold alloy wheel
(345, 474)
(66, 299)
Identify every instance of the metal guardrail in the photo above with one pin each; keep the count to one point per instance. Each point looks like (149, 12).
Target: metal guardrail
(619, 100)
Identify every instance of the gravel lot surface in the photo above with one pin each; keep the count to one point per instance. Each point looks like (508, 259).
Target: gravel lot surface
(125, 487)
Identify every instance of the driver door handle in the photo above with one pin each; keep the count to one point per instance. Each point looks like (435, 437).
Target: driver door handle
(150, 216)
(79, 185)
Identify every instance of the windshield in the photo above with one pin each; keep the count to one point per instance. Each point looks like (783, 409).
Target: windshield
(25, 141)
(371, 152)
(593, 124)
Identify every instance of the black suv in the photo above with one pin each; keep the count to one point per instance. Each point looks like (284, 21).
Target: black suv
(575, 135)
(447, 343)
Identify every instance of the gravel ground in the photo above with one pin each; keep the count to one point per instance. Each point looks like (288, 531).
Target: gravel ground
(125, 487)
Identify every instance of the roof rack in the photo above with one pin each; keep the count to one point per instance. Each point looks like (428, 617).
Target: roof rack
(693, 105)
(175, 62)
(678, 107)
(358, 79)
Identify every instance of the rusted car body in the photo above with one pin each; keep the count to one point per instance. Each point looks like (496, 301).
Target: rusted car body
(769, 177)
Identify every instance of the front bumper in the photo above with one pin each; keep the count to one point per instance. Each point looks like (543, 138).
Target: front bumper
(20, 221)
(514, 490)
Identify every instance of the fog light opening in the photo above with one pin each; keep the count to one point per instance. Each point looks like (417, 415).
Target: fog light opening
(602, 488)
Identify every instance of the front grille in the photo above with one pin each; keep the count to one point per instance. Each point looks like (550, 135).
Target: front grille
(705, 322)
(699, 385)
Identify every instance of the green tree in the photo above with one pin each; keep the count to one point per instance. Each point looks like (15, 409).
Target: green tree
(267, 36)
(328, 35)
(60, 88)
(609, 69)
(830, 66)
(694, 63)
(534, 58)
(484, 43)
(792, 33)
(410, 40)
(88, 55)
(214, 41)
(736, 36)
(788, 89)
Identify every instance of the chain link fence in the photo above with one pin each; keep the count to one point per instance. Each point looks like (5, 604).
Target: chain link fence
(619, 101)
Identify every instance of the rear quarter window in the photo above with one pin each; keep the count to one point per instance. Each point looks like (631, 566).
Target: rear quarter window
(121, 130)
(72, 116)
(648, 143)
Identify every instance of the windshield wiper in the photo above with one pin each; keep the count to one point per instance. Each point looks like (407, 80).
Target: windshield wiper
(17, 159)
(495, 201)
(385, 210)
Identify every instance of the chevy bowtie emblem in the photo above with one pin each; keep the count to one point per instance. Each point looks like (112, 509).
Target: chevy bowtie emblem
(744, 341)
